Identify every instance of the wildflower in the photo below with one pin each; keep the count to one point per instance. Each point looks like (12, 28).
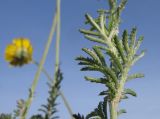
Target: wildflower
(19, 52)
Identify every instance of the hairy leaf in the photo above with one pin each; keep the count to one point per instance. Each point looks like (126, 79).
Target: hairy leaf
(125, 41)
(100, 112)
(135, 76)
(78, 116)
(130, 92)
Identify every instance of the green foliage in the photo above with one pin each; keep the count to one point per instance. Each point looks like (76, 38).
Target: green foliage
(38, 116)
(120, 50)
(50, 108)
(20, 107)
(5, 116)
(130, 92)
(135, 76)
(78, 116)
(100, 112)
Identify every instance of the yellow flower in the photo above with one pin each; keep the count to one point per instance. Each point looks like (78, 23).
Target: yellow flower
(19, 52)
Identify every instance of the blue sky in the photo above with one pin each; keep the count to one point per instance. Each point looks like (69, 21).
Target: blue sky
(32, 19)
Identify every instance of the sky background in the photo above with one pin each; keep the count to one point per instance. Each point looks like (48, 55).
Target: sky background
(32, 19)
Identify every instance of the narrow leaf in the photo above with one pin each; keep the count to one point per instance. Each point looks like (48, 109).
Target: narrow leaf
(135, 76)
(92, 54)
(92, 68)
(120, 49)
(122, 5)
(138, 43)
(86, 61)
(112, 74)
(92, 22)
(104, 93)
(133, 37)
(96, 80)
(125, 41)
(94, 39)
(138, 57)
(115, 59)
(88, 32)
(130, 92)
(100, 55)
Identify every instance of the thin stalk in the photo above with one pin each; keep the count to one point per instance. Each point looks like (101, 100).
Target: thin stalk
(57, 38)
(57, 55)
(37, 75)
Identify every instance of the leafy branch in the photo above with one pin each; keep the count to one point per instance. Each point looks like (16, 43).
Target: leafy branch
(50, 108)
(121, 52)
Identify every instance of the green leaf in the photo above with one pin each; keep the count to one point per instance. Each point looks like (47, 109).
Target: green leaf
(81, 58)
(122, 5)
(125, 41)
(135, 76)
(102, 21)
(86, 61)
(88, 32)
(100, 112)
(115, 59)
(92, 54)
(92, 22)
(130, 92)
(50, 109)
(95, 80)
(138, 43)
(100, 55)
(93, 68)
(38, 116)
(112, 74)
(20, 107)
(115, 69)
(94, 39)
(112, 4)
(112, 88)
(78, 116)
(138, 57)
(5, 116)
(133, 37)
(104, 92)
(120, 48)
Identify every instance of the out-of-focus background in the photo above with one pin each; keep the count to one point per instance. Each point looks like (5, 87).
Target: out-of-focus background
(32, 19)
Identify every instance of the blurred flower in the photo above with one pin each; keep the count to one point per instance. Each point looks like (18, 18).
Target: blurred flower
(19, 52)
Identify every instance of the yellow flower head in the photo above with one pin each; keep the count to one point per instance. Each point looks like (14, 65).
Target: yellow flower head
(19, 52)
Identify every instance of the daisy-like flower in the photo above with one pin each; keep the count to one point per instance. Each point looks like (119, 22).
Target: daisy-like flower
(19, 52)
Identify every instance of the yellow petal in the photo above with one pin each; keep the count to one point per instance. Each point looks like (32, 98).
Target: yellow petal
(26, 43)
(10, 52)
(18, 42)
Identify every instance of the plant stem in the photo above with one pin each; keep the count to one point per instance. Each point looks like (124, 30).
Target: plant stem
(57, 55)
(115, 102)
(113, 110)
(57, 38)
(37, 75)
